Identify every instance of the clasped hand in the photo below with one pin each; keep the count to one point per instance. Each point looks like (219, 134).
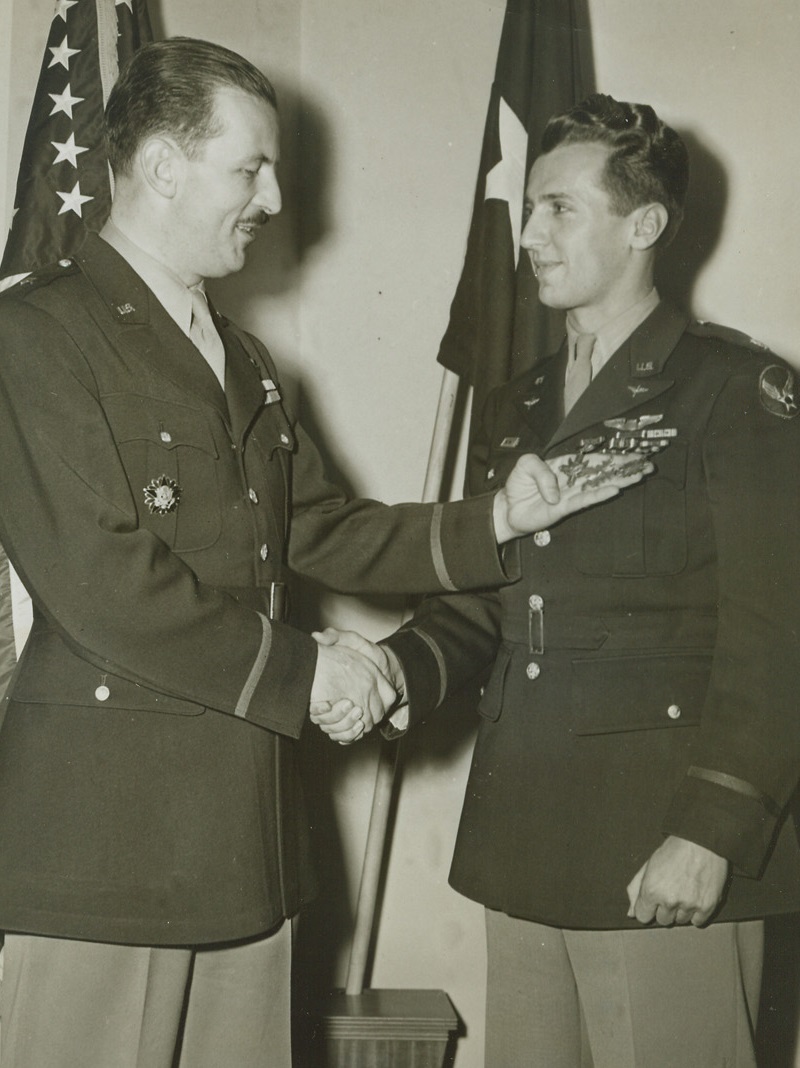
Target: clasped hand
(349, 664)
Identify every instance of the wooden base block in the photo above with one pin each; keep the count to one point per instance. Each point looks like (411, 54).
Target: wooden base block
(386, 1029)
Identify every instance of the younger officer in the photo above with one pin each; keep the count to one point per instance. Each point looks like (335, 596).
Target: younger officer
(639, 738)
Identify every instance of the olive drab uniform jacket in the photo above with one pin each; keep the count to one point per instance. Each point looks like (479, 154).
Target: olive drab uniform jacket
(645, 668)
(148, 790)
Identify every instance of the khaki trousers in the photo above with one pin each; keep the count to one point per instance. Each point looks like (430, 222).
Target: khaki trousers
(652, 998)
(71, 1004)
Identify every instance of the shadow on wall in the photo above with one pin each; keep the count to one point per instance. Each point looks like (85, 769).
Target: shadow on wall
(681, 263)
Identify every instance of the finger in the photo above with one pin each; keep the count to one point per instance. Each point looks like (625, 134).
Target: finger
(356, 737)
(644, 910)
(329, 636)
(318, 708)
(337, 733)
(340, 719)
(381, 698)
(334, 712)
(683, 916)
(665, 916)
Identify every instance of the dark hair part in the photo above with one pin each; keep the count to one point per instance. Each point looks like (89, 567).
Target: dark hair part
(168, 88)
(647, 159)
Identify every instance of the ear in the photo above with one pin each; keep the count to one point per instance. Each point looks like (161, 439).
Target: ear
(649, 223)
(160, 163)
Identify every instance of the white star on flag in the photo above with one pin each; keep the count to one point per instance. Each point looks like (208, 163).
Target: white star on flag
(64, 101)
(73, 201)
(506, 180)
(62, 7)
(62, 54)
(67, 150)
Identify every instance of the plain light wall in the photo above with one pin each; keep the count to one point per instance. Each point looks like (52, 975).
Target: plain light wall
(382, 111)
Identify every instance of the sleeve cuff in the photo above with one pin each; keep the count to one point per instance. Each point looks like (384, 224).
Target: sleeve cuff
(422, 671)
(733, 824)
(277, 693)
(469, 549)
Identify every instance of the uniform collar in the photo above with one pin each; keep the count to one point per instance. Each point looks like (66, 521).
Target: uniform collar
(164, 284)
(635, 375)
(614, 333)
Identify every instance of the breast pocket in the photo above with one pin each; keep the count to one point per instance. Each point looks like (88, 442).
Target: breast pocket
(171, 460)
(643, 532)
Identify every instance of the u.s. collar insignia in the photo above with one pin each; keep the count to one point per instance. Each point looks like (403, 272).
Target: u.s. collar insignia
(125, 309)
(776, 390)
(161, 495)
(271, 392)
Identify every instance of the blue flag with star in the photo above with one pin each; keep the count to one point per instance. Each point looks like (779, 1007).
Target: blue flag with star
(497, 326)
(63, 186)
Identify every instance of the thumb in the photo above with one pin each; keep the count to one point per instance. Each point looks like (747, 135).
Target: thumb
(329, 636)
(542, 474)
(633, 888)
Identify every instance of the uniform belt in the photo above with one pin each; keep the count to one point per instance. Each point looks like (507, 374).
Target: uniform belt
(538, 630)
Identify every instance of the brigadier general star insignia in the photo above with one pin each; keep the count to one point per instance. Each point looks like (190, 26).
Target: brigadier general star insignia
(161, 495)
(776, 388)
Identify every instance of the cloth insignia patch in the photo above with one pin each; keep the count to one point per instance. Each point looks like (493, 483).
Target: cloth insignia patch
(777, 390)
(161, 495)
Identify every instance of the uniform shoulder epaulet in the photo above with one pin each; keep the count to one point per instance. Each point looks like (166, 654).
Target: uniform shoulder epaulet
(777, 382)
(703, 328)
(43, 276)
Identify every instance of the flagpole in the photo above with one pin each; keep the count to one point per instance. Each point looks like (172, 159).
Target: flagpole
(389, 753)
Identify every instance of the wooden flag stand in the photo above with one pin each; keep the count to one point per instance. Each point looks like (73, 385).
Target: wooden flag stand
(389, 1028)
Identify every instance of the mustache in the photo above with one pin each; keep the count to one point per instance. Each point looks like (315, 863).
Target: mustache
(261, 218)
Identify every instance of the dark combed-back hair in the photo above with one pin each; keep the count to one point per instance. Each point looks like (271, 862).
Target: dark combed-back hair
(169, 88)
(647, 159)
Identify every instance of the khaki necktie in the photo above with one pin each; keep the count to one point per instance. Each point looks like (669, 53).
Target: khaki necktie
(204, 335)
(579, 370)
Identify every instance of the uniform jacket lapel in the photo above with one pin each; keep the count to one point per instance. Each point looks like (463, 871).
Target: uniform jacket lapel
(143, 327)
(244, 388)
(539, 401)
(636, 374)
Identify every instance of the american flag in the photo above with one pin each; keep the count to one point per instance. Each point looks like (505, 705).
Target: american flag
(64, 185)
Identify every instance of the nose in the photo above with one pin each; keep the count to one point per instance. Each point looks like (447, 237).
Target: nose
(533, 232)
(268, 195)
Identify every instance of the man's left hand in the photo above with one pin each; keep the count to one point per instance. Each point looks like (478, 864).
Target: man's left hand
(681, 883)
(537, 494)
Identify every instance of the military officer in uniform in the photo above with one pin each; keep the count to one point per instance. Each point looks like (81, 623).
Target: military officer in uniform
(625, 821)
(153, 493)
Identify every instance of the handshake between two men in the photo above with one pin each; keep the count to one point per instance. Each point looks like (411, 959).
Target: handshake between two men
(357, 683)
